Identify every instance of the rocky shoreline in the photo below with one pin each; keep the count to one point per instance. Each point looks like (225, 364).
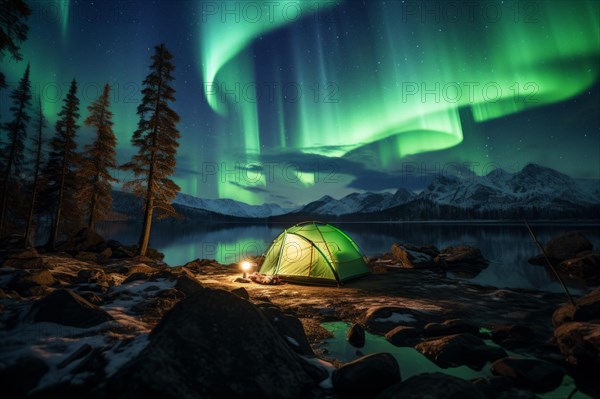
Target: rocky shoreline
(96, 320)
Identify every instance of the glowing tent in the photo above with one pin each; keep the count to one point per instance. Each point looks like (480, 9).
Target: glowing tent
(314, 253)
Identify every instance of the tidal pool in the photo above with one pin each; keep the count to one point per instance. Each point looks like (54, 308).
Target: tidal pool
(412, 362)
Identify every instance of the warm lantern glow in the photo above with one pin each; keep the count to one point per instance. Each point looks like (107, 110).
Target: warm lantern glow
(246, 266)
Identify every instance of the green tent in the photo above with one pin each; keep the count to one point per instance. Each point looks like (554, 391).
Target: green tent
(314, 253)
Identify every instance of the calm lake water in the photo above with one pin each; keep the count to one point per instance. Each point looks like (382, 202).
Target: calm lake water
(507, 246)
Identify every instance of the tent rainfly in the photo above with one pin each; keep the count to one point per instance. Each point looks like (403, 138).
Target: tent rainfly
(314, 253)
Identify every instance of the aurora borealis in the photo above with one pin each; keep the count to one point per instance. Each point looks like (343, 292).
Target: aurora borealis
(284, 101)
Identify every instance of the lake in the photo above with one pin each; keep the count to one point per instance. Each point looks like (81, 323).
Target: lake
(506, 245)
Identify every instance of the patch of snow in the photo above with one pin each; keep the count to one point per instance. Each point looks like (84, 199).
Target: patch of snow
(397, 318)
(118, 356)
(418, 257)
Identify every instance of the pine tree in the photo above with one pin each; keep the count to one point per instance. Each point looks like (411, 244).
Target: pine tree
(61, 170)
(38, 143)
(17, 133)
(13, 30)
(95, 194)
(156, 139)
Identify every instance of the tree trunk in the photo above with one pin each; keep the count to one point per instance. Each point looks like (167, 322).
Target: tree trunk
(29, 241)
(92, 216)
(56, 222)
(145, 236)
(11, 159)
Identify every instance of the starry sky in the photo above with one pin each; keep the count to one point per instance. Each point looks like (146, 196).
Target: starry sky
(286, 101)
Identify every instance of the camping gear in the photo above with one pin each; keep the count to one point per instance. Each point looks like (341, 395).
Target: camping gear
(314, 253)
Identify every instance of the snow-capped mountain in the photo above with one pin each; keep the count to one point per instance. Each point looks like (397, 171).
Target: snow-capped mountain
(130, 206)
(230, 207)
(357, 203)
(535, 191)
(533, 186)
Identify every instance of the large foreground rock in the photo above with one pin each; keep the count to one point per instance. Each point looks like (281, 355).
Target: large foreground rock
(403, 336)
(567, 246)
(537, 375)
(212, 344)
(432, 386)
(449, 327)
(68, 308)
(579, 342)
(462, 260)
(588, 308)
(356, 335)
(585, 267)
(411, 257)
(367, 376)
(458, 350)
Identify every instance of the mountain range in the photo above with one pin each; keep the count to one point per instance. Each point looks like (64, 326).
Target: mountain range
(534, 192)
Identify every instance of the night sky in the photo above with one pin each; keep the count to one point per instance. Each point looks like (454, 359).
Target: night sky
(285, 101)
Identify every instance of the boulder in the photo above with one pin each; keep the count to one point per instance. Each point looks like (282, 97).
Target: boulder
(381, 319)
(241, 292)
(567, 246)
(172, 273)
(140, 268)
(21, 376)
(449, 327)
(197, 264)
(84, 240)
(538, 375)
(68, 308)
(588, 308)
(212, 344)
(367, 376)
(513, 336)
(28, 258)
(586, 267)
(432, 386)
(403, 336)
(458, 350)
(462, 260)
(137, 276)
(120, 251)
(579, 342)
(462, 256)
(356, 335)
(95, 279)
(410, 256)
(188, 285)
(24, 279)
(35, 262)
(90, 275)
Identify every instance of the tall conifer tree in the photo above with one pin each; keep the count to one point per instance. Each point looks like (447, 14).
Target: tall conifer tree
(61, 170)
(98, 159)
(15, 147)
(157, 140)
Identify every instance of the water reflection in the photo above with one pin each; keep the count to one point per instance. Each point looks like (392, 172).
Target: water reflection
(507, 246)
